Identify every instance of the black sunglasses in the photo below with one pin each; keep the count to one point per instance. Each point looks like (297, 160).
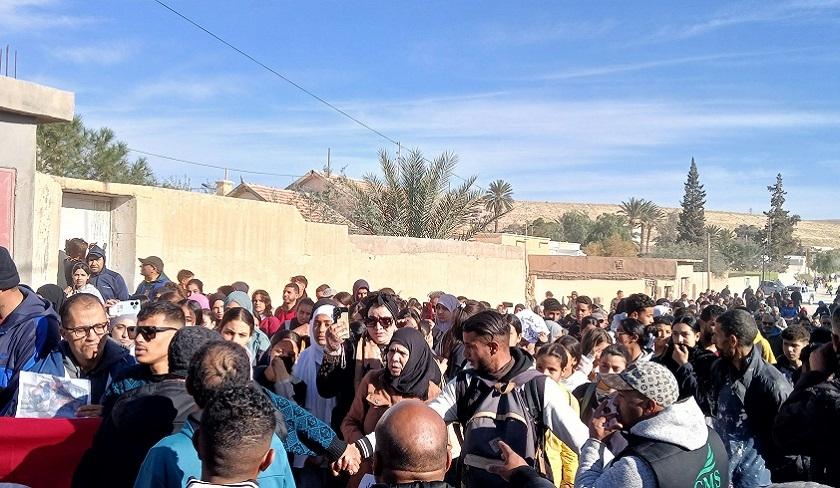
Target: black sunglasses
(385, 322)
(147, 331)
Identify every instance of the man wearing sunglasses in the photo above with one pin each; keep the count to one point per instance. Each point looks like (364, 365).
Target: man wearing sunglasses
(157, 323)
(87, 350)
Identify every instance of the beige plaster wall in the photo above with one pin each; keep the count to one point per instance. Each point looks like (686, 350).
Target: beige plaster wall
(264, 244)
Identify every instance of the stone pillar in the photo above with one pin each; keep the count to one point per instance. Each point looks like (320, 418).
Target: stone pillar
(23, 106)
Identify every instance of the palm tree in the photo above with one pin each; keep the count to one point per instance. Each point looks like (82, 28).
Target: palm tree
(413, 198)
(651, 216)
(498, 200)
(633, 209)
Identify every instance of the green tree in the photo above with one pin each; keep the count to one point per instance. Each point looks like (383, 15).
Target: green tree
(498, 200)
(413, 198)
(651, 216)
(633, 210)
(749, 233)
(607, 225)
(576, 226)
(825, 262)
(779, 240)
(69, 149)
(614, 246)
(692, 220)
(666, 229)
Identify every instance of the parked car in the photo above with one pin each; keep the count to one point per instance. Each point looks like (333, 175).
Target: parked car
(803, 289)
(770, 287)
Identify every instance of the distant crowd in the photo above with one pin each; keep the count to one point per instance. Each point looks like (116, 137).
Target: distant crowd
(359, 386)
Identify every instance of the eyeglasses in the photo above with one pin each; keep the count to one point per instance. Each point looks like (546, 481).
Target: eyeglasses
(147, 331)
(83, 331)
(384, 322)
(769, 323)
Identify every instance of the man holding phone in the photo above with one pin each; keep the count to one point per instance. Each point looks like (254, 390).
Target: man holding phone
(659, 441)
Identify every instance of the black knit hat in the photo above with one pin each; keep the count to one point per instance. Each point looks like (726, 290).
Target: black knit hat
(185, 343)
(9, 277)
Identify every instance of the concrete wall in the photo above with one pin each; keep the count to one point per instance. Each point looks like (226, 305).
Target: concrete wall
(226, 239)
(600, 290)
(23, 105)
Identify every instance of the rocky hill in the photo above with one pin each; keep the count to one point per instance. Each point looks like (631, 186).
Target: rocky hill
(810, 232)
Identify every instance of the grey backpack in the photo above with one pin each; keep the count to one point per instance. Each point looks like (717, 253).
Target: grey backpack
(512, 412)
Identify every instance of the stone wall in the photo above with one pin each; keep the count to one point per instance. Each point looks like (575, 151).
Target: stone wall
(264, 244)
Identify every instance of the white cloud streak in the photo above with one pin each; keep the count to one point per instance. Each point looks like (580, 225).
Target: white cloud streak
(799, 11)
(38, 15)
(104, 54)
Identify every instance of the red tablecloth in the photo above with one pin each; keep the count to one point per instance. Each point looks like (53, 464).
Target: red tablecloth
(43, 453)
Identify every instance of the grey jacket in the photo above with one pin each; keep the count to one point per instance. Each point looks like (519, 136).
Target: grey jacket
(681, 424)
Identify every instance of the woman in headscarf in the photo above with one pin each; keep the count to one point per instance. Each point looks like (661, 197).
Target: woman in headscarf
(53, 294)
(313, 471)
(259, 342)
(410, 372)
(348, 361)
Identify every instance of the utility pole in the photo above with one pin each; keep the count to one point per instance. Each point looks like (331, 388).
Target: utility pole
(329, 170)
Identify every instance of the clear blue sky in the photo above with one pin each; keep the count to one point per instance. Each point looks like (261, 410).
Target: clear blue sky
(569, 101)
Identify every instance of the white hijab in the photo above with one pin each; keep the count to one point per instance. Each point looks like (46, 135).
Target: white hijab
(306, 368)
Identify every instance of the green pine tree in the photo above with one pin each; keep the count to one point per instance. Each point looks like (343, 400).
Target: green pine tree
(692, 222)
(69, 149)
(779, 240)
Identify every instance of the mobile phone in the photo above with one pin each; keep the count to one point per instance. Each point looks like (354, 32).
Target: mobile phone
(125, 307)
(342, 322)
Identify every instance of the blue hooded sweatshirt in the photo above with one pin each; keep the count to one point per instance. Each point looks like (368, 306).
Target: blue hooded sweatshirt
(110, 284)
(29, 339)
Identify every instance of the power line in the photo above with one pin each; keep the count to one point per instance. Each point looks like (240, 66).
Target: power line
(291, 82)
(209, 165)
(279, 75)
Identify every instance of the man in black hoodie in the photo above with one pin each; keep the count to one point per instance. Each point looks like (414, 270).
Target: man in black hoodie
(496, 371)
(110, 284)
(28, 334)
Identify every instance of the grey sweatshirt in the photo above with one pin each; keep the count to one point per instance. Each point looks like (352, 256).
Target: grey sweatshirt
(681, 424)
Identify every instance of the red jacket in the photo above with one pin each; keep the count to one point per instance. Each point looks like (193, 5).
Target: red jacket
(285, 315)
(270, 325)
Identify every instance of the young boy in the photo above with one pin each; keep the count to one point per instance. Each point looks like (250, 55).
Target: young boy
(794, 339)
(234, 439)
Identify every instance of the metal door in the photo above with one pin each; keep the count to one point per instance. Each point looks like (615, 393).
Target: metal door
(88, 217)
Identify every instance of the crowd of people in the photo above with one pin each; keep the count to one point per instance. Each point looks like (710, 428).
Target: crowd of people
(224, 387)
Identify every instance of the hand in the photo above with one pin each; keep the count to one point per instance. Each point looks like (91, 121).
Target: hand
(542, 337)
(823, 359)
(680, 354)
(278, 369)
(510, 459)
(349, 461)
(111, 301)
(603, 423)
(68, 290)
(333, 345)
(89, 411)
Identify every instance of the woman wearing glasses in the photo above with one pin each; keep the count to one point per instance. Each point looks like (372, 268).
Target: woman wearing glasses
(410, 372)
(347, 362)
